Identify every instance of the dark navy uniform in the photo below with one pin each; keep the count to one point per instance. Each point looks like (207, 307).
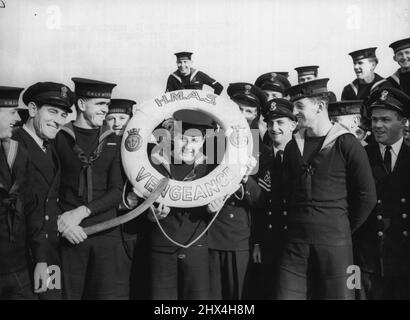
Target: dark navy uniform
(401, 78)
(228, 239)
(125, 258)
(194, 80)
(20, 218)
(179, 273)
(329, 188)
(91, 176)
(361, 91)
(382, 244)
(47, 168)
(270, 223)
(358, 90)
(176, 272)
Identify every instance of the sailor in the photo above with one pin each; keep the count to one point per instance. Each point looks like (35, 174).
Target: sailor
(21, 220)
(48, 105)
(90, 192)
(364, 64)
(307, 73)
(382, 244)
(186, 77)
(328, 187)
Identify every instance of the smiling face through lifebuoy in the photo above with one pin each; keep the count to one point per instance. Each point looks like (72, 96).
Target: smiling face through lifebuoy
(187, 146)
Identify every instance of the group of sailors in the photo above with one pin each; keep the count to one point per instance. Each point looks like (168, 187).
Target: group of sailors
(331, 191)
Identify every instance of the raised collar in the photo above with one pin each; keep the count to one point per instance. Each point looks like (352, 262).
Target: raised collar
(105, 131)
(335, 131)
(35, 137)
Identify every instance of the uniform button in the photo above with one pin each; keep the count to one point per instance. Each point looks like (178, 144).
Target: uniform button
(247, 193)
(404, 216)
(269, 213)
(284, 200)
(232, 203)
(270, 226)
(403, 200)
(285, 227)
(380, 233)
(379, 201)
(270, 201)
(46, 236)
(58, 199)
(285, 213)
(47, 218)
(405, 233)
(379, 217)
(231, 215)
(181, 256)
(47, 200)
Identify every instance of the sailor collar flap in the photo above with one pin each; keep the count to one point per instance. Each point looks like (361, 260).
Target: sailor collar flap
(336, 131)
(105, 132)
(177, 75)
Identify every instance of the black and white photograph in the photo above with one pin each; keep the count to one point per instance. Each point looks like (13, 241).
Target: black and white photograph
(204, 155)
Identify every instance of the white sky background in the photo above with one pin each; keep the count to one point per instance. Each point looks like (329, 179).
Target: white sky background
(131, 42)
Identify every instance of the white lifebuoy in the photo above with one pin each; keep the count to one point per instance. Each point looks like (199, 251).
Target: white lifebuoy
(223, 180)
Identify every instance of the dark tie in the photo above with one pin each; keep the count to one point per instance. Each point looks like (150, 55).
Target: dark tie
(46, 145)
(387, 159)
(278, 158)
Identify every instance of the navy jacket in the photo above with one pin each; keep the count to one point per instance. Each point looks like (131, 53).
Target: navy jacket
(382, 244)
(21, 221)
(47, 184)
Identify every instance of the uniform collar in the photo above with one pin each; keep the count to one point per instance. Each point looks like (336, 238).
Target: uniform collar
(35, 137)
(105, 131)
(335, 131)
(395, 147)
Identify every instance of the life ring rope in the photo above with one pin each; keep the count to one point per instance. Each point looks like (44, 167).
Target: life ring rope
(186, 246)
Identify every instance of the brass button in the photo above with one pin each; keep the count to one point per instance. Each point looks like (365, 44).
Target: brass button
(269, 213)
(379, 217)
(270, 226)
(47, 200)
(270, 201)
(285, 213)
(405, 233)
(404, 215)
(231, 215)
(181, 256)
(58, 199)
(232, 203)
(403, 200)
(379, 201)
(284, 201)
(285, 227)
(46, 236)
(47, 218)
(380, 233)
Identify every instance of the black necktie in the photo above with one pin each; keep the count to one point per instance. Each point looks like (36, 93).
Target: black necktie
(46, 144)
(387, 158)
(278, 159)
